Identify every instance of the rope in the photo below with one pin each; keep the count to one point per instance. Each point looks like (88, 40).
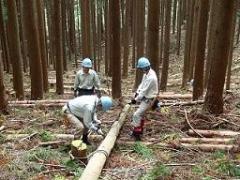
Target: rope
(98, 151)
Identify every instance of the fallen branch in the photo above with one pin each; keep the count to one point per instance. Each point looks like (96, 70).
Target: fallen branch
(40, 105)
(206, 140)
(52, 143)
(186, 117)
(225, 120)
(209, 133)
(39, 101)
(97, 161)
(212, 147)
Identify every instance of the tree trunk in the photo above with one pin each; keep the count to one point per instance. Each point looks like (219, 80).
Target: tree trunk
(64, 34)
(3, 37)
(42, 40)
(116, 48)
(14, 48)
(201, 45)
(3, 95)
(179, 24)
(94, 33)
(59, 47)
(188, 40)
(163, 83)
(230, 55)
(139, 32)
(174, 16)
(223, 12)
(193, 49)
(85, 23)
(34, 51)
(153, 34)
(126, 38)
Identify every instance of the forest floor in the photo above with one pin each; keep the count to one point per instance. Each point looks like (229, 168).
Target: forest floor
(26, 157)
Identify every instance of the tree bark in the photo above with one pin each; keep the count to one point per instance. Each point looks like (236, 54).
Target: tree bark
(30, 21)
(153, 34)
(14, 48)
(85, 23)
(200, 49)
(223, 13)
(42, 40)
(3, 95)
(59, 47)
(165, 65)
(139, 32)
(116, 48)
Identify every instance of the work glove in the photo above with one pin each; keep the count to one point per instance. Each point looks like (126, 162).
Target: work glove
(155, 104)
(98, 92)
(97, 122)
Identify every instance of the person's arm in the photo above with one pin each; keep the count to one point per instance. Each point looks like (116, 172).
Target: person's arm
(87, 119)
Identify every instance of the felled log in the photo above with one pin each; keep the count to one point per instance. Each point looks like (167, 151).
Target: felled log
(203, 147)
(48, 101)
(210, 133)
(189, 103)
(51, 143)
(207, 140)
(97, 161)
(40, 105)
(10, 137)
(212, 147)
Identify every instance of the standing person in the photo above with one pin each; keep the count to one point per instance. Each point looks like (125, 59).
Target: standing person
(81, 112)
(146, 93)
(86, 81)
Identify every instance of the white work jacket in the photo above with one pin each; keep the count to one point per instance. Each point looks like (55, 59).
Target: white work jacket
(148, 87)
(87, 81)
(84, 107)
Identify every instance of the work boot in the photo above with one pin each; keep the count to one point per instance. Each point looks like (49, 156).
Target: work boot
(136, 136)
(85, 139)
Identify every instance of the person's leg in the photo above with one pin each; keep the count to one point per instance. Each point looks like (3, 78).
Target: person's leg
(85, 136)
(138, 121)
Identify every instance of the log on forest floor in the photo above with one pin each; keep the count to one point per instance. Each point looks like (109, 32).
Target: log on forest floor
(210, 133)
(175, 146)
(99, 157)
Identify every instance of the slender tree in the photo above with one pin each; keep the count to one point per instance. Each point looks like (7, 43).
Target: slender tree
(30, 22)
(126, 38)
(223, 13)
(201, 45)
(85, 23)
(115, 54)
(3, 36)
(59, 47)
(153, 34)
(188, 40)
(41, 29)
(14, 48)
(139, 32)
(3, 95)
(163, 82)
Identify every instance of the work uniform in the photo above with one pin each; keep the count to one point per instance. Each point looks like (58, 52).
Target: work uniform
(86, 83)
(146, 92)
(81, 111)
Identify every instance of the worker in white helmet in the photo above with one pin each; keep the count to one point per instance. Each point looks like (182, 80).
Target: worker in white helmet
(86, 80)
